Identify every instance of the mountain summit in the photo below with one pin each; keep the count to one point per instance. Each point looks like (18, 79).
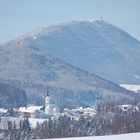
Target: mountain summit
(36, 61)
(95, 46)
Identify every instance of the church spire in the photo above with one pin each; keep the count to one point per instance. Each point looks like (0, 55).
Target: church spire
(47, 102)
(48, 92)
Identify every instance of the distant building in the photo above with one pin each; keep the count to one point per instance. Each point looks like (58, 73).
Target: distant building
(50, 109)
(39, 111)
(47, 103)
(3, 111)
(126, 107)
(30, 111)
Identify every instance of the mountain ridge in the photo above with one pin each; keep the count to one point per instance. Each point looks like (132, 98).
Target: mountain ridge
(97, 47)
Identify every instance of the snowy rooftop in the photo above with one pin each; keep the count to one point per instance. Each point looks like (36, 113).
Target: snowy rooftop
(76, 113)
(29, 109)
(2, 110)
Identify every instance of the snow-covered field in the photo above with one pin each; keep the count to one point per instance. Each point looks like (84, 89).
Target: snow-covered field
(135, 88)
(132, 136)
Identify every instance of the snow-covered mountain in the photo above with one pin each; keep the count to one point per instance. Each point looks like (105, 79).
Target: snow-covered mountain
(32, 62)
(97, 47)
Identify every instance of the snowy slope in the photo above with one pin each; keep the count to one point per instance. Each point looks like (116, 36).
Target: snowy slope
(97, 47)
(135, 88)
(133, 136)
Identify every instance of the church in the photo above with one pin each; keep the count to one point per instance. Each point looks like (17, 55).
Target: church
(50, 109)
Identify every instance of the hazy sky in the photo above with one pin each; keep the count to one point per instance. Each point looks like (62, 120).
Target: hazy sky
(20, 16)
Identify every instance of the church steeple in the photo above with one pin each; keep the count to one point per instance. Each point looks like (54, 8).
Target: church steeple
(47, 102)
(50, 108)
(48, 92)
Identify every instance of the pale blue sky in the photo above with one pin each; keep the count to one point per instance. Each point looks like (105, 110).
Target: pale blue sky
(20, 16)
